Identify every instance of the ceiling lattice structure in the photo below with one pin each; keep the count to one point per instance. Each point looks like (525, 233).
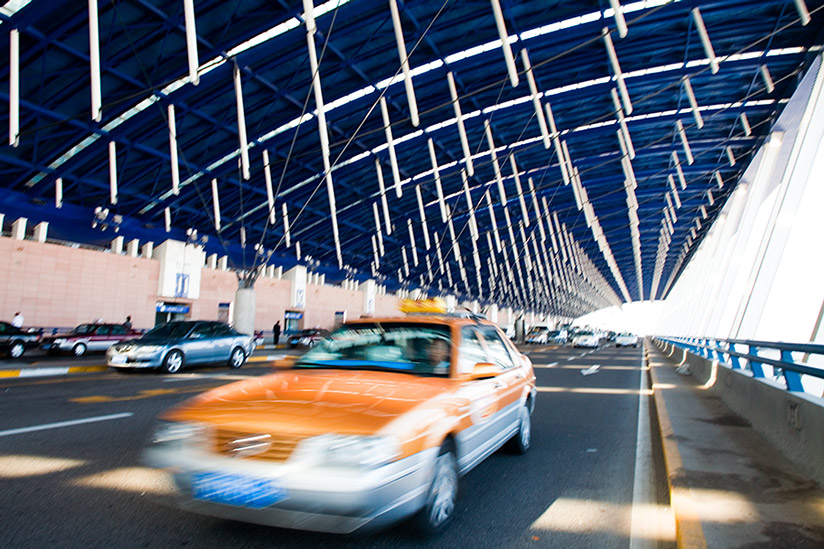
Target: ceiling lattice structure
(574, 169)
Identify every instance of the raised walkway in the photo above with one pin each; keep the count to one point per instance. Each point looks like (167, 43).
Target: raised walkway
(728, 486)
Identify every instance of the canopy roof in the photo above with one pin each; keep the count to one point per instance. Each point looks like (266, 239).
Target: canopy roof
(614, 222)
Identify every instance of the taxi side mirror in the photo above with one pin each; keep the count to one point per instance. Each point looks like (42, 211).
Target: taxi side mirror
(284, 363)
(484, 370)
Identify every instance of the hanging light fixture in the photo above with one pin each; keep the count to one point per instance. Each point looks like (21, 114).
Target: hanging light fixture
(453, 92)
(423, 215)
(270, 196)
(14, 87)
(113, 172)
(94, 62)
(682, 134)
(705, 39)
(504, 36)
(390, 142)
(616, 69)
(696, 113)
(191, 41)
(216, 204)
(437, 175)
(407, 75)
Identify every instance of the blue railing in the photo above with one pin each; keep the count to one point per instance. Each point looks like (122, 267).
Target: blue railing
(752, 356)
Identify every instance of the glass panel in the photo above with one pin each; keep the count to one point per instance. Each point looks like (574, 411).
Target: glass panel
(471, 352)
(496, 347)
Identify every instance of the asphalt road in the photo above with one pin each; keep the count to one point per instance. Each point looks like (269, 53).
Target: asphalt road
(83, 484)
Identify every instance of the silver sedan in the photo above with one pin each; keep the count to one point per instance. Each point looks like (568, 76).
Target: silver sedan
(176, 344)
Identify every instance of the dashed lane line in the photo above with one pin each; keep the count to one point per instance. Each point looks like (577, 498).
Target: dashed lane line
(61, 424)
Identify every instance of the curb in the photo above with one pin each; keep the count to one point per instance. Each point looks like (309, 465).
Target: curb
(51, 371)
(688, 530)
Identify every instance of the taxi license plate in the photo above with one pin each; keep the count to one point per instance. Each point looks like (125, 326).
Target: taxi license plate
(118, 359)
(237, 490)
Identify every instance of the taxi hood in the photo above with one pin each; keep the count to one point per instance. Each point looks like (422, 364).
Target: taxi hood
(310, 402)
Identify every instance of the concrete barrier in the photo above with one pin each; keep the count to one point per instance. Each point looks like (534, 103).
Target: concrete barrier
(792, 422)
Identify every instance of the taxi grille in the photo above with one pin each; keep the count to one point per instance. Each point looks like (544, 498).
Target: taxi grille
(275, 448)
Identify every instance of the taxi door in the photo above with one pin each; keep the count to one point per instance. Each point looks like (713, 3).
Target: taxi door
(479, 439)
(510, 383)
(99, 338)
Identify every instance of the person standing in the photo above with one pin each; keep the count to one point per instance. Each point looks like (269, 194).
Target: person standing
(276, 330)
(17, 321)
(128, 323)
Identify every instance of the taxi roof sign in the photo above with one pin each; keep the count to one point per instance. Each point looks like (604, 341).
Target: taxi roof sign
(431, 306)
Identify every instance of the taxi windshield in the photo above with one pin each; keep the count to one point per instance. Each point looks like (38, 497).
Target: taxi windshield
(414, 348)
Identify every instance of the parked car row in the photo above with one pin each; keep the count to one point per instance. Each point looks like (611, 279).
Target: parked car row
(579, 337)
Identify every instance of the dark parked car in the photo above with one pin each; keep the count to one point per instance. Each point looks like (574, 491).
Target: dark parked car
(14, 341)
(172, 345)
(308, 338)
(88, 337)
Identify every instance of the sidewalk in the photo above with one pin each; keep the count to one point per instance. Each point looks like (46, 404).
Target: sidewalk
(728, 486)
(10, 368)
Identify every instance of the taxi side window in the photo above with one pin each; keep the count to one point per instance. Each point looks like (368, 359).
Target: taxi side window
(118, 330)
(497, 350)
(102, 330)
(471, 352)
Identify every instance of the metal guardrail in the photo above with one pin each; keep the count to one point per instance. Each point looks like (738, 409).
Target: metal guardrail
(730, 352)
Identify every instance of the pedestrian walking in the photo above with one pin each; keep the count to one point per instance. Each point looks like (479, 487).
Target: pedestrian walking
(276, 330)
(128, 323)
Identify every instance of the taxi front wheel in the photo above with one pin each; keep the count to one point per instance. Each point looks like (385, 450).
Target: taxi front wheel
(443, 492)
(523, 438)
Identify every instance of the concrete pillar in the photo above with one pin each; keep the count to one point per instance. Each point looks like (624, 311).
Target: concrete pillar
(244, 311)
(117, 245)
(279, 273)
(211, 261)
(223, 263)
(270, 271)
(41, 231)
(492, 313)
(322, 279)
(133, 247)
(2, 217)
(18, 228)
(370, 290)
(297, 293)
(148, 250)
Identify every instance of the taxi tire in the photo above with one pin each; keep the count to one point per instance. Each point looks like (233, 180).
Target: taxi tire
(236, 362)
(442, 495)
(79, 349)
(522, 439)
(173, 362)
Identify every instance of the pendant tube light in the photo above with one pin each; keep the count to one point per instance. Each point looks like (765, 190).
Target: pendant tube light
(730, 155)
(113, 172)
(375, 253)
(703, 211)
(682, 134)
(696, 113)
(297, 250)
(270, 195)
(672, 214)
(378, 226)
(669, 200)
(173, 149)
(191, 41)
(519, 189)
(470, 207)
(705, 39)
(619, 112)
(422, 213)
(322, 129)
(549, 224)
(803, 13)
(241, 125)
(14, 87)
(284, 213)
(504, 36)
(536, 208)
(167, 218)
(94, 62)
(491, 142)
(58, 193)
(384, 203)
(393, 159)
(674, 190)
(437, 175)
(678, 170)
(494, 221)
(710, 197)
(536, 101)
(719, 180)
(404, 58)
(456, 105)
(412, 242)
(216, 204)
(745, 123)
(616, 68)
(618, 14)
(768, 81)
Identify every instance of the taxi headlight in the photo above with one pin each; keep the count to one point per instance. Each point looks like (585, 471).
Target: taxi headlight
(349, 450)
(167, 432)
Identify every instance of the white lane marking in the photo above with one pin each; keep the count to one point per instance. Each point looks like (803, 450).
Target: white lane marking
(60, 424)
(591, 370)
(38, 372)
(551, 365)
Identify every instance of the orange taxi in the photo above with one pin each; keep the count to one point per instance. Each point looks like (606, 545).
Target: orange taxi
(372, 426)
